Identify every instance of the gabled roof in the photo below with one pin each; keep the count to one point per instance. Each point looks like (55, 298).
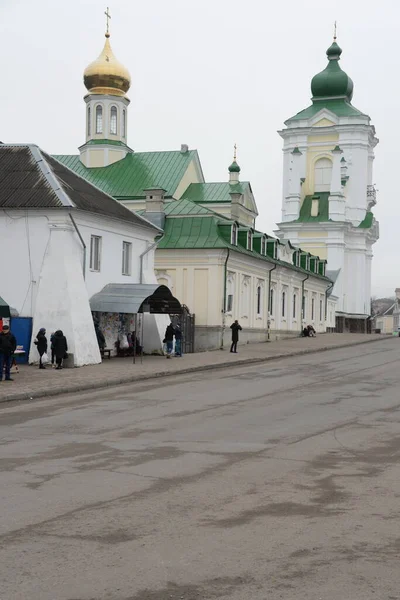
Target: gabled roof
(127, 178)
(214, 192)
(388, 312)
(30, 178)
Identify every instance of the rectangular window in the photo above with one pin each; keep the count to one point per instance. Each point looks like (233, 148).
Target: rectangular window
(126, 258)
(229, 303)
(283, 304)
(303, 308)
(312, 309)
(271, 302)
(259, 300)
(294, 306)
(95, 252)
(321, 314)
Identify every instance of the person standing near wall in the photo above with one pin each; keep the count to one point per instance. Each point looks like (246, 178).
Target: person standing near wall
(41, 345)
(235, 335)
(169, 339)
(8, 344)
(60, 348)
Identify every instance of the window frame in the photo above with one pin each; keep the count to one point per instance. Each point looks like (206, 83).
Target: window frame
(113, 119)
(271, 302)
(89, 122)
(294, 305)
(95, 253)
(124, 123)
(259, 300)
(234, 234)
(283, 305)
(99, 123)
(126, 258)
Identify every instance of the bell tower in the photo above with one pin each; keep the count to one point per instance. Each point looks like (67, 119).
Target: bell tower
(107, 82)
(328, 191)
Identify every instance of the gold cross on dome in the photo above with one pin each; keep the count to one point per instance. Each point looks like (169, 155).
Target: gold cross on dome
(108, 17)
(234, 151)
(334, 32)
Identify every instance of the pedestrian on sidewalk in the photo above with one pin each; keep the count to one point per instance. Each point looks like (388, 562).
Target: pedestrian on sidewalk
(41, 345)
(235, 335)
(178, 341)
(8, 345)
(53, 356)
(60, 348)
(169, 339)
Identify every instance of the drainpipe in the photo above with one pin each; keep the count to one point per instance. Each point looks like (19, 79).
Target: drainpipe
(82, 242)
(149, 249)
(302, 305)
(224, 305)
(328, 289)
(269, 302)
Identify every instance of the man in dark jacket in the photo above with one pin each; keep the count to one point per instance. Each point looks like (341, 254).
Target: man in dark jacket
(169, 339)
(60, 348)
(235, 335)
(41, 344)
(8, 344)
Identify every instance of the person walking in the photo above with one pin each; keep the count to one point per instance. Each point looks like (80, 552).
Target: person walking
(235, 335)
(41, 345)
(60, 348)
(169, 339)
(8, 345)
(178, 341)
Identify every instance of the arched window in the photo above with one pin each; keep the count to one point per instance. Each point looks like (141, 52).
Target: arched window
(124, 123)
(283, 304)
(99, 119)
(312, 309)
(294, 306)
(113, 120)
(89, 124)
(322, 175)
(271, 302)
(259, 300)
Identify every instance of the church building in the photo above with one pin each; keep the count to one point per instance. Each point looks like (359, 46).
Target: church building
(210, 255)
(328, 190)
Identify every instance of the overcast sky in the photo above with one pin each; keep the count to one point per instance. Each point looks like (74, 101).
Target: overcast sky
(208, 73)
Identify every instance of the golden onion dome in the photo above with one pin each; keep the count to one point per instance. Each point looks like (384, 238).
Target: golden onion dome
(106, 75)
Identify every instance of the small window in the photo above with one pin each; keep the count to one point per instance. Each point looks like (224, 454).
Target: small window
(283, 304)
(321, 310)
(263, 246)
(229, 303)
(95, 252)
(259, 299)
(124, 123)
(271, 302)
(249, 240)
(303, 308)
(126, 258)
(89, 124)
(312, 309)
(234, 235)
(113, 120)
(294, 306)
(99, 119)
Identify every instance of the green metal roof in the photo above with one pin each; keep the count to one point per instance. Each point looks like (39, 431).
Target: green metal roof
(214, 192)
(340, 107)
(323, 208)
(368, 220)
(127, 178)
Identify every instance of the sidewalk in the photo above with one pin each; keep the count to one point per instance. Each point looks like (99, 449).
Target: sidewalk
(31, 383)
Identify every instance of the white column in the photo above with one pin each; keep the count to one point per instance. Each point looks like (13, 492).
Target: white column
(292, 200)
(337, 202)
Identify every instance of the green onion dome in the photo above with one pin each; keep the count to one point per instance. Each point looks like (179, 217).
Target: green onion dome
(234, 168)
(332, 82)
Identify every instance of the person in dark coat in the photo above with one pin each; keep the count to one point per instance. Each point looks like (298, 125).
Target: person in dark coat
(60, 348)
(178, 341)
(169, 339)
(8, 345)
(41, 344)
(235, 335)
(101, 340)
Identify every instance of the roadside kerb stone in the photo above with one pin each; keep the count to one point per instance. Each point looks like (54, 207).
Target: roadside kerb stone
(82, 387)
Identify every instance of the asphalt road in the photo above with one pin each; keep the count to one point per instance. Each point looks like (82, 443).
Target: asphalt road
(276, 481)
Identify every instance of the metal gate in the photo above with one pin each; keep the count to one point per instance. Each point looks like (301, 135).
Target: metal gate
(186, 322)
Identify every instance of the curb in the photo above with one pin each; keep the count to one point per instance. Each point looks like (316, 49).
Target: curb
(85, 387)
